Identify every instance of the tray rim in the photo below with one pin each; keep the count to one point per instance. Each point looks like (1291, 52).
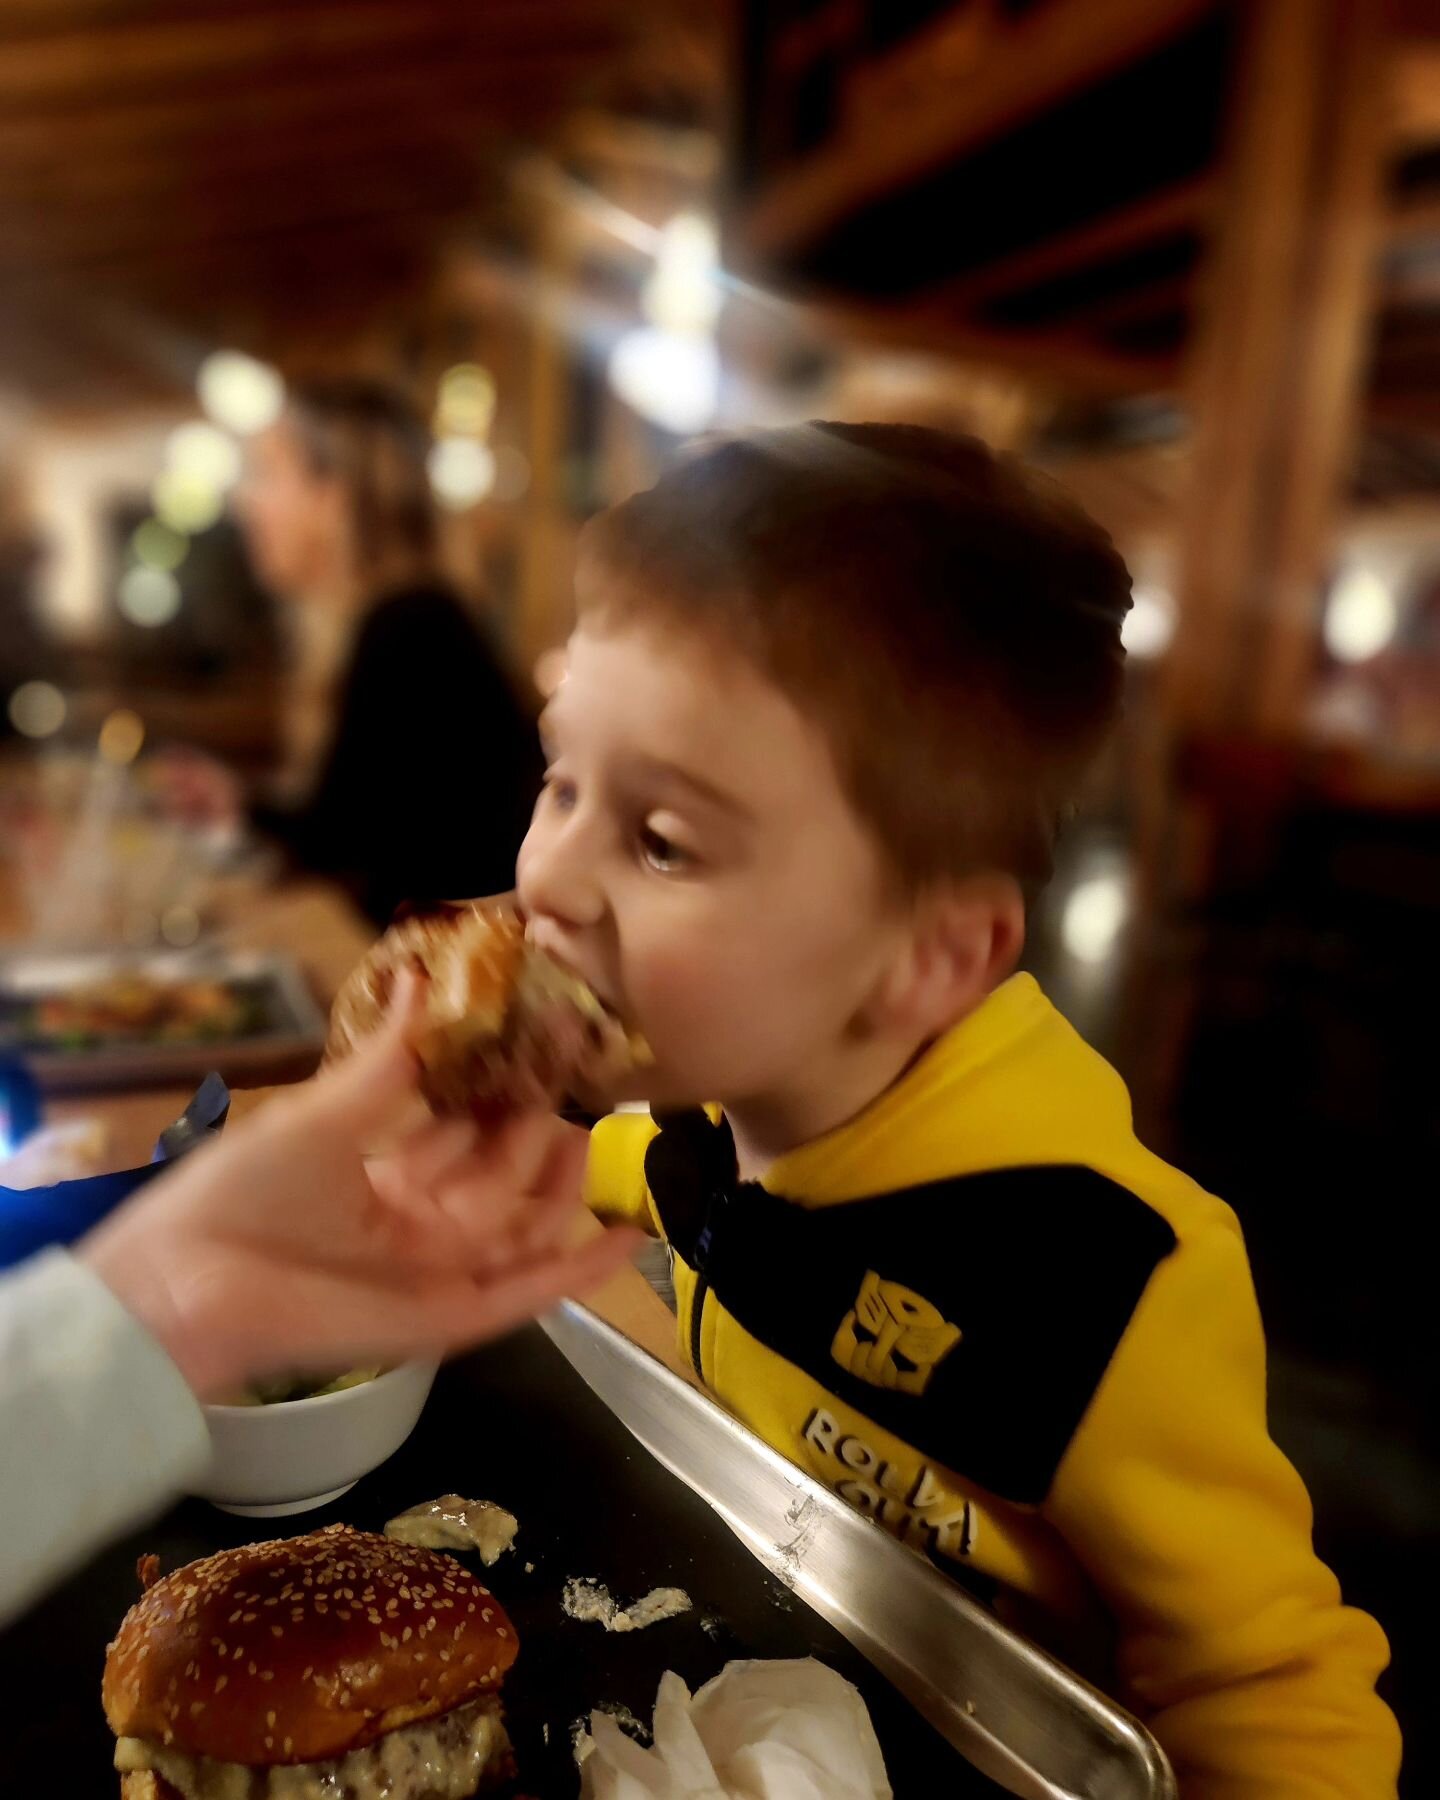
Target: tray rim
(604, 1357)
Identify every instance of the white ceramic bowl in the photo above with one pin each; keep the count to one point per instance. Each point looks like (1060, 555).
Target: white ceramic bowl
(299, 1454)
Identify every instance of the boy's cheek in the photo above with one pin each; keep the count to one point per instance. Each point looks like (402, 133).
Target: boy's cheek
(684, 1021)
(681, 990)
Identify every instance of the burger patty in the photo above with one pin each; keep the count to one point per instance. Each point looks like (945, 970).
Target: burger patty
(504, 1026)
(445, 1758)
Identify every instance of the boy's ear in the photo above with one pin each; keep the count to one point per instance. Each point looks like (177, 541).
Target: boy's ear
(965, 938)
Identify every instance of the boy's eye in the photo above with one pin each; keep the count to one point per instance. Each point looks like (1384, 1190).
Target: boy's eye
(662, 853)
(559, 791)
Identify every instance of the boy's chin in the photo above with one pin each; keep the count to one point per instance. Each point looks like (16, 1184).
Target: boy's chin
(648, 1086)
(603, 1097)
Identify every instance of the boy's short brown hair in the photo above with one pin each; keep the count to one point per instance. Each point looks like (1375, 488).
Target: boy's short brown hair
(951, 620)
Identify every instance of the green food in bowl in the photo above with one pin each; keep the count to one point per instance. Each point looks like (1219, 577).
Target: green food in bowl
(281, 1388)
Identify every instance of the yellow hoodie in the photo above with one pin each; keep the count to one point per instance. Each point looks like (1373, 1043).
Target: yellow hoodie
(986, 1315)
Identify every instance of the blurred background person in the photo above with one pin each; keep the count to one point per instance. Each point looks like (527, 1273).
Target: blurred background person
(411, 763)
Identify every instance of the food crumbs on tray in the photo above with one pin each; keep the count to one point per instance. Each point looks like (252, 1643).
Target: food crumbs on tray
(529, 1568)
(589, 1600)
(582, 1743)
(454, 1523)
(626, 1720)
(585, 1599)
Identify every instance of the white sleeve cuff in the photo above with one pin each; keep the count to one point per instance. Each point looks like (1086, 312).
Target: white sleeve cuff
(98, 1428)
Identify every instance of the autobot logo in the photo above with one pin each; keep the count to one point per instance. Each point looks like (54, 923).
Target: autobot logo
(893, 1337)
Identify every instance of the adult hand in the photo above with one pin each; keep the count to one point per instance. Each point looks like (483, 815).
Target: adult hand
(281, 1248)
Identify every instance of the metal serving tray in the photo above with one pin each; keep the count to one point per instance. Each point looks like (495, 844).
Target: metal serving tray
(288, 1044)
(1011, 1710)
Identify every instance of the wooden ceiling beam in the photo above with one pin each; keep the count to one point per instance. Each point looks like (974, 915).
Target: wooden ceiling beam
(1407, 411)
(271, 286)
(1403, 362)
(306, 212)
(1160, 215)
(1132, 306)
(23, 21)
(133, 242)
(442, 95)
(154, 347)
(1057, 359)
(1277, 370)
(1418, 287)
(161, 314)
(321, 41)
(828, 27)
(1415, 94)
(220, 167)
(1053, 52)
(1414, 219)
(1402, 288)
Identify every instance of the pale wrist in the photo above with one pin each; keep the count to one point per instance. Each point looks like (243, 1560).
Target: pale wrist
(151, 1286)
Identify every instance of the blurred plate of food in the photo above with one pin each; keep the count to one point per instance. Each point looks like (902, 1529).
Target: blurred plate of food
(97, 1019)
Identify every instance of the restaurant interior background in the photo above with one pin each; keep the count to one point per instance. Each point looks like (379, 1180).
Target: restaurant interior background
(1184, 256)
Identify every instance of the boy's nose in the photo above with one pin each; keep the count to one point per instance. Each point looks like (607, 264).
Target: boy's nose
(556, 877)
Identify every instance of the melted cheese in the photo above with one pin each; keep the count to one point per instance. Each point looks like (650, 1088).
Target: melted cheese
(651, 1608)
(443, 1758)
(454, 1523)
(592, 1601)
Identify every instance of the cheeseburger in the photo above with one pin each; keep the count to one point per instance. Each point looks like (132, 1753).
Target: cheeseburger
(336, 1666)
(504, 1024)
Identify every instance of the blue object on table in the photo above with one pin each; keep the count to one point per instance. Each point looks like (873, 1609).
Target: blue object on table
(35, 1219)
(19, 1104)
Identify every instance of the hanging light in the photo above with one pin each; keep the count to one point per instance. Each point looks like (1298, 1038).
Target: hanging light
(186, 503)
(465, 402)
(668, 370)
(1361, 617)
(461, 471)
(1093, 916)
(205, 452)
(682, 294)
(122, 736)
(1149, 625)
(148, 596)
(37, 709)
(158, 546)
(239, 392)
(669, 378)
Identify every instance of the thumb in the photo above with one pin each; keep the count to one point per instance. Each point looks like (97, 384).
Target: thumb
(362, 1093)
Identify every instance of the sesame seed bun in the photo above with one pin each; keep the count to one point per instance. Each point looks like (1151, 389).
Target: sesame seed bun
(301, 1650)
(504, 1024)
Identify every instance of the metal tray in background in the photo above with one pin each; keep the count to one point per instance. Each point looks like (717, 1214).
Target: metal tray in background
(289, 1045)
(1011, 1710)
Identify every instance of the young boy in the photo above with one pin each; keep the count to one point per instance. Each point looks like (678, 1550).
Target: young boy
(831, 691)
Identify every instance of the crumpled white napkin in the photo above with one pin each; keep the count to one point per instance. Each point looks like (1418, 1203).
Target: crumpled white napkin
(758, 1731)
